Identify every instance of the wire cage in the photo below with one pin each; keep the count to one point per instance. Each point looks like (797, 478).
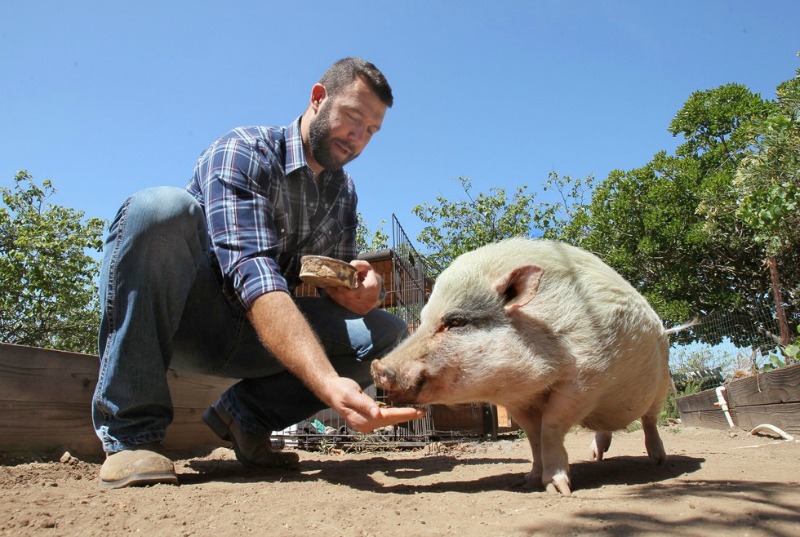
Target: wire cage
(408, 284)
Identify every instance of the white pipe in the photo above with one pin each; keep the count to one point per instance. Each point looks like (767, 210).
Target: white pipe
(723, 404)
(774, 429)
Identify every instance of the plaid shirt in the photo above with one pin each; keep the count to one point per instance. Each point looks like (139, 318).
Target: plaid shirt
(264, 211)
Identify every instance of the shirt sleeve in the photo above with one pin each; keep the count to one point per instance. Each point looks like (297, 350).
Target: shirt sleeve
(234, 178)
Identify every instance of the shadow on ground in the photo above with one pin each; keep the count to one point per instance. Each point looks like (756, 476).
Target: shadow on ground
(740, 508)
(403, 476)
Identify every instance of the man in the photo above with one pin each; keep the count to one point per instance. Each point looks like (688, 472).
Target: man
(200, 280)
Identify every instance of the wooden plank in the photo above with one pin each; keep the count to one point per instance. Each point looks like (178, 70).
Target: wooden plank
(33, 374)
(711, 419)
(772, 397)
(196, 391)
(696, 402)
(776, 386)
(188, 431)
(45, 399)
(36, 427)
(51, 428)
(785, 416)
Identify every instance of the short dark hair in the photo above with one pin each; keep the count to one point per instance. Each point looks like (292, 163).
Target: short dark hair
(345, 71)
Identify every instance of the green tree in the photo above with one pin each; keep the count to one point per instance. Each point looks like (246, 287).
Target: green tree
(671, 227)
(370, 241)
(453, 228)
(767, 189)
(718, 127)
(691, 230)
(49, 297)
(767, 184)
(566, 217)
(642, 223)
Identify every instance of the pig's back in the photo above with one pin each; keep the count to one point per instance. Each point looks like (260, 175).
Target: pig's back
(575, 282)
(578, 286)
(614, 337)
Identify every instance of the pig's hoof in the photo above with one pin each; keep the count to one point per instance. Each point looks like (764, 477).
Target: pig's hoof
(659, 457)
(559, 485)
(655, 450)
(528, 481)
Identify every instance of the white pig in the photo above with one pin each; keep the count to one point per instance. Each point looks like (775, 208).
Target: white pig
(548, 331)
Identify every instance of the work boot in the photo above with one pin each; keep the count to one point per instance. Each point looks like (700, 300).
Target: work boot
(139, 465)
(251, 450)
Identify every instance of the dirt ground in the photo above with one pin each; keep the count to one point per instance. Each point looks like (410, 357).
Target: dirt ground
(716, 483)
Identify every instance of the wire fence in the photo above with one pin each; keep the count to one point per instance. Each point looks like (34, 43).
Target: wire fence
(727, 345)
(409, 284)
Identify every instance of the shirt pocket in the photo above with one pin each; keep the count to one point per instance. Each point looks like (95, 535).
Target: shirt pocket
(325, 238)
(286, 233)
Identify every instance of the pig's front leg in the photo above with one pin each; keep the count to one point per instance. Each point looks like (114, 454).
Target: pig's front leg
(565, 407)
(555, 461)
(530, 419)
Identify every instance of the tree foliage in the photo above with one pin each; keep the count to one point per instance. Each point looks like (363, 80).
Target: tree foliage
(767, 181)
(642, 223)
(453, 228)
(691, 230)
(368, 240)
(566, 218)
(671, 227)
(49, 297)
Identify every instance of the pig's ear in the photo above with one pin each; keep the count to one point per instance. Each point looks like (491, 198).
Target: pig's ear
(519, 286)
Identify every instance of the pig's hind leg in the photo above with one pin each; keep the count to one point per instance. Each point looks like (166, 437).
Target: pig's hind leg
(652, 440)
(600, 444)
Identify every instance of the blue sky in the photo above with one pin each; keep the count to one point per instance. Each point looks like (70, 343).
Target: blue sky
(106, 97)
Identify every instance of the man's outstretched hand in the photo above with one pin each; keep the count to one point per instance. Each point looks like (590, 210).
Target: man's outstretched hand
(361, 412)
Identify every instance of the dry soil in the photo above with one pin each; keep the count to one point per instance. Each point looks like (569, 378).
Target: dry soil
(716, 483)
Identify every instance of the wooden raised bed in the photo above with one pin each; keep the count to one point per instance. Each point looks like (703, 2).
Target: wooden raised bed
(768, 398)
(46, 395)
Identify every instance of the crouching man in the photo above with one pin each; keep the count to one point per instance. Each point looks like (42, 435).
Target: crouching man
(201, 280)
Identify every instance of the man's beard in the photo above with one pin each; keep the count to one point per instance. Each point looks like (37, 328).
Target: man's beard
(319, 142)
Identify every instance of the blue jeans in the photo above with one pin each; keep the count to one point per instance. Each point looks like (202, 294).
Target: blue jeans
(163, 307)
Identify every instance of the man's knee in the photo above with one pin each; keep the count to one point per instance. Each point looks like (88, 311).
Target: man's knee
(163, 215)
(157, 229)
(163, 205)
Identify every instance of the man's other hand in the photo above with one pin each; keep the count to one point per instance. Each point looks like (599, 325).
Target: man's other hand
(363, 298)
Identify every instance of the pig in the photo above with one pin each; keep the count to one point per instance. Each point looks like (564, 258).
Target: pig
(548, 331)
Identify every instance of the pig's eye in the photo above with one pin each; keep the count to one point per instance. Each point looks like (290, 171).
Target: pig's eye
(454, 322)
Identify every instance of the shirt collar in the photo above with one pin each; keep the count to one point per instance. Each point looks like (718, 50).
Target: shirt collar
(295, 158)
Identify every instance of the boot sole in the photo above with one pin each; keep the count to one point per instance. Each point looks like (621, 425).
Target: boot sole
(137, 480)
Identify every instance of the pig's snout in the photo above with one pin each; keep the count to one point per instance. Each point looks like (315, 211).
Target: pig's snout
(400, 380)
(383, 376)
